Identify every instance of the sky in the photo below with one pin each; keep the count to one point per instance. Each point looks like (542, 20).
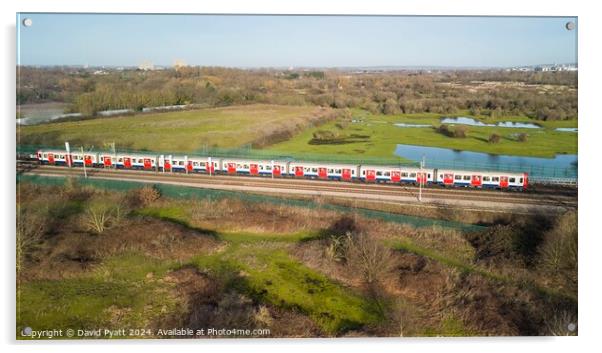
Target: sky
(297, 41)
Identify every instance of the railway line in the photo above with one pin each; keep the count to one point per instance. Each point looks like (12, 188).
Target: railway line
(470, 198)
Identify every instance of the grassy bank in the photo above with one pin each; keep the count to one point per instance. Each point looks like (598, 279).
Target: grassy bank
(179, 131)
(377, 136)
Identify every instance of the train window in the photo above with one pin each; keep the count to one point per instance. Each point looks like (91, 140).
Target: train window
(428, 175)
(486, 178)
(467, 177)
(496, 179)
(353, 172)
(520, 180)
(179, 163)
(268, 167)
(202, 164)
(330, 171)
(440, 176)
(379, 173)
(307, 170)
(387, 173)
(412, 175)
(457, 177)
(314, 170)
(120, 160)
(363, 172)
(44, 155)
(512, 180)
(338, 171)
(196, 164)
(404, 174)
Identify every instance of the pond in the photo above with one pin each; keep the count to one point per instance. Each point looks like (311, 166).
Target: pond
(462, 120)
(561, 166)
(566, 129)
(412, 125)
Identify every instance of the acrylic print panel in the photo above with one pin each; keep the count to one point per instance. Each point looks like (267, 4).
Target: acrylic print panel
(238, 176)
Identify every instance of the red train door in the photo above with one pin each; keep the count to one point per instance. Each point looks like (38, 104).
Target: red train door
(253, 170)
(51, 158)
(107, 161)
(421, 178)
(232, 168)
(504, 182)
(276, 171)
(189, 166)
(370, 175)
(299, 171)
(526, 180)
(127, 162)
(475, 180)
(346, 175)
(322, 173)
(147, 163)
(211, 167)
(448, 179)
(395, 177)
(88, 160)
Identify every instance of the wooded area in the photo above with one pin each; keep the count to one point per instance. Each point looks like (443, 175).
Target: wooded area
(538, 95)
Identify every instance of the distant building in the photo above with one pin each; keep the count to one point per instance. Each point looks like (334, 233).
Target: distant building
(146, 66)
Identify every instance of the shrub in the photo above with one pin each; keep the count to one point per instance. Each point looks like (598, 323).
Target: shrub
(523, 137)
(494, 138)
(460, 131)
(142, 197)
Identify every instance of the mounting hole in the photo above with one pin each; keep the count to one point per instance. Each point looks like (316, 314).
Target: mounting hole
(27, 22)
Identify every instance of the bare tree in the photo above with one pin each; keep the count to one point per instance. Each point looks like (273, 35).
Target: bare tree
(98, 216)
(31, 226)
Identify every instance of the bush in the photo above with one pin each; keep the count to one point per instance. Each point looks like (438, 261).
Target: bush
(143, 197)
(523, 137)
(444, 130)
(460, 131)
(558, 251)
(494, 138)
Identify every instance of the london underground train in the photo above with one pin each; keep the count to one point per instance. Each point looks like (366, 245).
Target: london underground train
(289, 169)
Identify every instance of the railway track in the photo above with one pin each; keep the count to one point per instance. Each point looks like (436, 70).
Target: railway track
(490, 199)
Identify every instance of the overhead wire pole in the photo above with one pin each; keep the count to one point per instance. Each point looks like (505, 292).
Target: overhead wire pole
(421, 180)
(84, 160)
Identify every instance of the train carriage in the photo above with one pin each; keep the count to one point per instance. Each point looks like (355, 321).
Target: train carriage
(394, 174)
(134, 161)
(53, 157)
(333, 171)
(477, 179)
(254, 167)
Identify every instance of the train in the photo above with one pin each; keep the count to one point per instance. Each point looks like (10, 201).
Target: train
(343, 172)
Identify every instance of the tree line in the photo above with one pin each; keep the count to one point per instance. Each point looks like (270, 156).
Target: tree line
(539, 95)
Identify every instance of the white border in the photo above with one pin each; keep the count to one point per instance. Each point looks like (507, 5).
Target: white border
(590, 129)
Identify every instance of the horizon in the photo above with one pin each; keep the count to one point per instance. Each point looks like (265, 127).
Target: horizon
(300, 41)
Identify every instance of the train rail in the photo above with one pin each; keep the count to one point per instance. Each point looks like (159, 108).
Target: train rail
(487, 199)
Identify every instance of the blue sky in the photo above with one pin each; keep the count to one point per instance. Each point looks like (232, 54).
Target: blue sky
(282, 41)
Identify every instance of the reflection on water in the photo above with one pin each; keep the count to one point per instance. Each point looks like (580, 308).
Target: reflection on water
(412, 125)
(561, 166)
(566, 129)
(462, 120)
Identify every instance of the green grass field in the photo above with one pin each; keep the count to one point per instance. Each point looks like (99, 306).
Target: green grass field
(174, 131)
(377, 136)
(370, 136)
